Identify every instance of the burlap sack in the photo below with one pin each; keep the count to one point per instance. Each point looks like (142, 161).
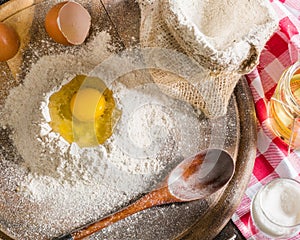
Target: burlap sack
(225, 38)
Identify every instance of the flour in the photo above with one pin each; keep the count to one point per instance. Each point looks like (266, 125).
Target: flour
(26, 112)
(151, 130)
(61, 186)
(222, 39)
(221, 24)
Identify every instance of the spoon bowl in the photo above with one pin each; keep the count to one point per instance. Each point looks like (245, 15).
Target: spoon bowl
(194, 178)
(201, 175)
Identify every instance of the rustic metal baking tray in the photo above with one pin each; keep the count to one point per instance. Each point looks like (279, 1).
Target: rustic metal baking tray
(201, 219)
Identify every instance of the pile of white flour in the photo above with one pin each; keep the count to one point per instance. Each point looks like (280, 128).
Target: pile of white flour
(62, 185)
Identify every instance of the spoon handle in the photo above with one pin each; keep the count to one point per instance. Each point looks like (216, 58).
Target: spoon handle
(157, 197)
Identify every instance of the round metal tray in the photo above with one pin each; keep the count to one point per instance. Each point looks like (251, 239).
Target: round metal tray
(202, 219)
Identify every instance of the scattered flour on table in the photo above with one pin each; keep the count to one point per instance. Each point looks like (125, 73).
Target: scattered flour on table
(66, 186)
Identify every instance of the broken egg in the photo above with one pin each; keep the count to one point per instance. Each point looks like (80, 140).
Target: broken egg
(68, 23)
(84, 111)
(9, 42)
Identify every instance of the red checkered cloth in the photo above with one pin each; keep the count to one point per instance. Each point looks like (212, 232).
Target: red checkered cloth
(272, 160)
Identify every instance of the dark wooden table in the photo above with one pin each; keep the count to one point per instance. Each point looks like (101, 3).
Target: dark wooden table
(229, 232)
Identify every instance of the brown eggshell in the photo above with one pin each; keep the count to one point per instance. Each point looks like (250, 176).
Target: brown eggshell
(51, 24)
(9, 42)
(74, 22)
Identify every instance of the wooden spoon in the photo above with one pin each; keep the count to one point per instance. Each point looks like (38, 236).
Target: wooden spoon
(194, 178)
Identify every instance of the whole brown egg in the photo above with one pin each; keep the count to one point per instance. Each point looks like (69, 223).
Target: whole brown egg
(9, 42)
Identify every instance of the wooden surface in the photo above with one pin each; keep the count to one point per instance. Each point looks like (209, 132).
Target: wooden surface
(121, 19)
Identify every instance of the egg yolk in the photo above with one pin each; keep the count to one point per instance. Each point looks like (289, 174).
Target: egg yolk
(83, 111)
(87, 104)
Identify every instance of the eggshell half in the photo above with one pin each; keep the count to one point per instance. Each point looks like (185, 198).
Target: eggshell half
(52, 26)
(74, 22)
(9, 42)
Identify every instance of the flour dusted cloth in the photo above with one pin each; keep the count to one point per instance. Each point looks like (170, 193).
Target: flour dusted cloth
(222, 37)
(272, 160)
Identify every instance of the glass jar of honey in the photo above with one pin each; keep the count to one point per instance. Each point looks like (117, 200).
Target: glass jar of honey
(285, 107)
